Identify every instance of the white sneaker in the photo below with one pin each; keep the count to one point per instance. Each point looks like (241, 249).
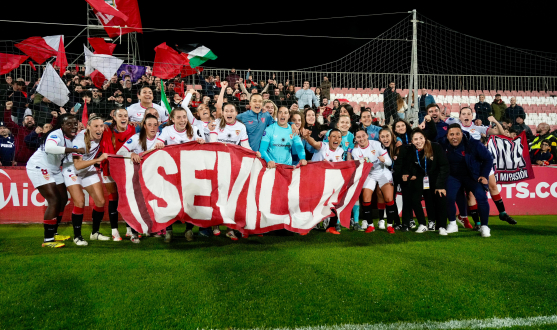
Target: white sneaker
(443, 231)
(364, 224)
(79, 241)
(452, 227)
(99, 237)
(485, 231)
(326, 223)
(381, 224)
(421, 229)
(135, 239)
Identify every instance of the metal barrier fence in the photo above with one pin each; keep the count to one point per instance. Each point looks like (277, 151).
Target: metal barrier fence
(366, 80)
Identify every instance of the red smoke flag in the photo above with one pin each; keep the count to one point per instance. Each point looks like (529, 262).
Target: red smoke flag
(98, 79)
(37, 48)
(32, 66)
(61, 60)
(168, 62)
(9, 62)
(85, 115)
(100, 46)
(116, 25)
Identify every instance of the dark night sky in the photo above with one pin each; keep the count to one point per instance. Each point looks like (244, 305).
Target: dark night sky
(528, 28)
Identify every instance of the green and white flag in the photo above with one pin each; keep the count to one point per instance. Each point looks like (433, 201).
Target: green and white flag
(164, 100)
(198, 55)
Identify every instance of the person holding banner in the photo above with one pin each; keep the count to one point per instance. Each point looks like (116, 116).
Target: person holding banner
(256, 121)
(139, 145)
(114, 136)
(328, 152)
(372, 151)
(426, 175)
(469, 166)
(228, 130)
(178, 131)
(43, 169)
(278, 141)
(136, 111)
(81, 174)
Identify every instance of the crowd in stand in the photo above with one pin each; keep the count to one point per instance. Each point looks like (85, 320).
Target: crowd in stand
(442, 159)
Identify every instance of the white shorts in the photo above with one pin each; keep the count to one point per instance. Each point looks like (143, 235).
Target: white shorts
(492, 172)
(381, 178)
(41, 176)
(85, 179)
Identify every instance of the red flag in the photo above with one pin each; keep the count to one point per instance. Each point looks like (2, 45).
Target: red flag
(77, 67)
(84, 116)
(98, 79)
(101, 46)
(168, 62)
(37, 48)
(9, 62)
(61, 60)
(131, 24)
(32, 66)
(105, 12)
(186, 69)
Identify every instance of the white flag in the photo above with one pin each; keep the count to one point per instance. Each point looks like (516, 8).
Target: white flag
(106, 64)
(52, 87)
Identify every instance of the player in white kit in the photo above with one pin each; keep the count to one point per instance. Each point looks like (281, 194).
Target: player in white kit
(139, 145)
(136, 111)
(329, 152)
(372, 151)
(203, 120)
(228, 130)
(80, 173)
(179, 131)
(43, 169)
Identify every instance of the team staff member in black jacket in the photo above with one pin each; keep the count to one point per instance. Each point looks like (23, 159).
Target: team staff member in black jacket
(427, 169)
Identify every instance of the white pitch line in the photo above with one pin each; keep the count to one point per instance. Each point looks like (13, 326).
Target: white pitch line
(494, 323)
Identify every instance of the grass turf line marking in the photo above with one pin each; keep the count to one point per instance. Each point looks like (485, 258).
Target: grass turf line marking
(494, 323)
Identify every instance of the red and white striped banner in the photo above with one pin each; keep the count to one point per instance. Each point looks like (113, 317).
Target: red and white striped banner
(214, 183)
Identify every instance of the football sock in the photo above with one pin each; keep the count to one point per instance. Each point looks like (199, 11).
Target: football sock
(49, 229)
(498, 203)
(473, 212)
(77, 220)
(113, 213)
(392, 213)
(366, 208)
(98, 213)
(59, 219)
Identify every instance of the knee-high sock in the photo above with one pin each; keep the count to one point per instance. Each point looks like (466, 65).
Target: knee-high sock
(49, 229)
(381, 210)
(59, 219)
(356, 212)
(392, 213)
(98, 214)
(366, 214)
(77, 220)
(113, 211)
(498, 203)
(473, 211)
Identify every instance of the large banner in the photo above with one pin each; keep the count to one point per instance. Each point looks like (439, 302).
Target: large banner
(511, 160)
(20, 203)
(215, 183)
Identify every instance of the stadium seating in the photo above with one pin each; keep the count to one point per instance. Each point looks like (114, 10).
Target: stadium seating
(539, 106)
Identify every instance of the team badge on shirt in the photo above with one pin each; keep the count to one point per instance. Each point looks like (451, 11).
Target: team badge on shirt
(291, 136)
(337, 157)
(73, 177)
(373, 152)
(262, 120)
(347, 143)
(237, 132)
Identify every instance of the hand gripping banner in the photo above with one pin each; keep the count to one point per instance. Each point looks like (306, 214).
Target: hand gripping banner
(224, 184)
(511, 160)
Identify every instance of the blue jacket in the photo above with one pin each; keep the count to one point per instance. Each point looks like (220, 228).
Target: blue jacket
(478, 158)
(428, 100)
(256, 123)
(513, 112)
(483, 110)
(7, 150)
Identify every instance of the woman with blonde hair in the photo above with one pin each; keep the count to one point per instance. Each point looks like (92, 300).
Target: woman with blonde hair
(270, 107)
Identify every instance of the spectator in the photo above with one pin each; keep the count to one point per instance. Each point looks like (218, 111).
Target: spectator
(18, 99)
(498, 107)
(217, 83)
(318, 94)
(208, 86)
(389, 102)
(7, 146)
(265, 95)
(307, 96)
(514, 110)
(506, 123)
(541, 156)
(544, 135)
(253, 90)
(326, 87)
(232, 77)
(520, 126)
(276, 97)
(483, 110)
(98, 103)
(423, 101)
(112, 85)
(22, 152)
(129, 92)
(325, 111)
(401, 106)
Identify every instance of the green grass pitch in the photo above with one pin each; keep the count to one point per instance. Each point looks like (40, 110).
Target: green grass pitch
(278, 281)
